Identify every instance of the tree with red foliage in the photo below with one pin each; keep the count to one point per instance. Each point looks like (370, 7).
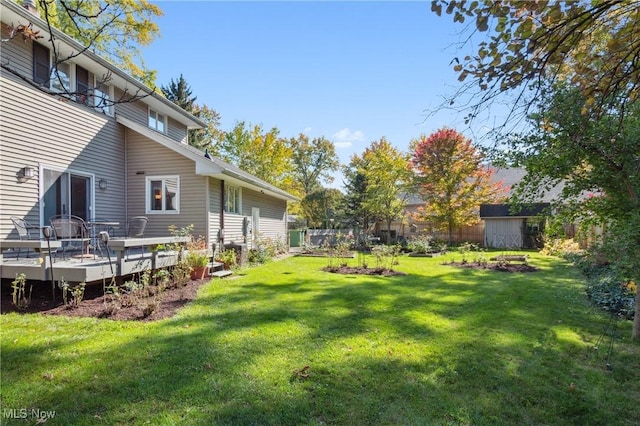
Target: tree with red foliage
(451, 178)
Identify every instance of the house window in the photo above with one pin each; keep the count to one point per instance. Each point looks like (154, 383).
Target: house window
(163, 194)
(157, 121)
(102, 99)
(82, 85)
(233, 199)
(41, 63)
(60, 78)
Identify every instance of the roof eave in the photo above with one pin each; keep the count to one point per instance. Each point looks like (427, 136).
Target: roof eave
(12, 11)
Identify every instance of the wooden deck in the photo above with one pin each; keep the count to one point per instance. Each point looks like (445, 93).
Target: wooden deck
(130, 256)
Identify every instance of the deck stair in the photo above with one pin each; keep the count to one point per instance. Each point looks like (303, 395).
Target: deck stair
(216, 269)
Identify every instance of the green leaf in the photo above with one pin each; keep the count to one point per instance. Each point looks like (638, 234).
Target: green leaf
(436, 7)
(482, 23)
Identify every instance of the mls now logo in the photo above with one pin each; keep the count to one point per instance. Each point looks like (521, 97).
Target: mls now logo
(24, 413)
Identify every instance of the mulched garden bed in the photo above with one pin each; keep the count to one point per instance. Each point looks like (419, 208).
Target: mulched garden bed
(497, 266)
(94, 305)
(360, 270)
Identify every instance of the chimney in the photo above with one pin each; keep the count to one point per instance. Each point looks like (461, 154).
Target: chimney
(30, 5)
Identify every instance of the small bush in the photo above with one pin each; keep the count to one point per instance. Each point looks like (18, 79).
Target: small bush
(19, 297)
(263, 252)
(72, 296)
(465, 248)
(228, 257)
(385, 256)
(561, 247)
(421, 244)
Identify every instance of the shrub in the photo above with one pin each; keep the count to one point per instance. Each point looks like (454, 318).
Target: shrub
(228, 258)
(561, 247)
(421, 244)
(19, 296)
(385, 256)
(264, 250)
(465, 248)
(72, 296)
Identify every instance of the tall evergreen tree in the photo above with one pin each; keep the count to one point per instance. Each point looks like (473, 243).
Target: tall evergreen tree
(357, 215)
(208, 138)
(179, 92)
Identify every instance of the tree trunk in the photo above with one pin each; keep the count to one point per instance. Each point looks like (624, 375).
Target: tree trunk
(635, 334)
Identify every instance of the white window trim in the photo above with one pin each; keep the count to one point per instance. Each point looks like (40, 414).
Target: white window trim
(93, 87)
(239, 206)
(165, 121)
(147, 194)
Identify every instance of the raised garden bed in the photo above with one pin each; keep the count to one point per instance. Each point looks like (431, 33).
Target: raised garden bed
(326, 254)
(434, 254)
(510, 258)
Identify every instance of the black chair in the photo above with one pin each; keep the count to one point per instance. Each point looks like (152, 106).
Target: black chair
(26, 231)
(70, 229)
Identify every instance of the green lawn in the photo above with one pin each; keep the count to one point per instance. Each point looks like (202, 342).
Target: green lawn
(440, 345)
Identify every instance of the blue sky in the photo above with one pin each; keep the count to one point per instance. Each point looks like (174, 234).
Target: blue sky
(352, 72)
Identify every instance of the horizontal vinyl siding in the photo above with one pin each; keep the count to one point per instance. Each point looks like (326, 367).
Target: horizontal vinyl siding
(135, 111)
(273, 213)
(233, 228)
(215, 206)
(152, 159)
(177, 131)
(17, 54)
(38, 129)
(138, 112)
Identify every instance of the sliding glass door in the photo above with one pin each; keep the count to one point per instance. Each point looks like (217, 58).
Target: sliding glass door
(65, 193)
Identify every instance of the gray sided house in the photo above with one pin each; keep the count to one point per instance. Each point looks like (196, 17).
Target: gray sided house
(72, 150)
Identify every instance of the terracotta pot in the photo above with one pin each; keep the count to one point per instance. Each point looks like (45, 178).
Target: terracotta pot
(199, 272)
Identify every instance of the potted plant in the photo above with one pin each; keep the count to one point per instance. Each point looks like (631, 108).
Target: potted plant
(197, 258)
(228, 258)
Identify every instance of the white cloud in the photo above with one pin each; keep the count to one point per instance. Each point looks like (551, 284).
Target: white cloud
(344, 138)
(307, 130)
(342, 144)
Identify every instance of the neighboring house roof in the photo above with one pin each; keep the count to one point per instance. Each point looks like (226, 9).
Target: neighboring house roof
(414, 199)
(204, 166)
(510, 176)
(505, 210)
(17, 14)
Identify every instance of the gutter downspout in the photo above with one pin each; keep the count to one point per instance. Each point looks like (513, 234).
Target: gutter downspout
(126, 175)
(221, 231)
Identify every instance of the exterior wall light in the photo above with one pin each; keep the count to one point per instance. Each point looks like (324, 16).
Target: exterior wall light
(26, 172)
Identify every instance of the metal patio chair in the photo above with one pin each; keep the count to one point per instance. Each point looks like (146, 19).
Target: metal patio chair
(26, 231)
(136, 227)
(70, 229)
